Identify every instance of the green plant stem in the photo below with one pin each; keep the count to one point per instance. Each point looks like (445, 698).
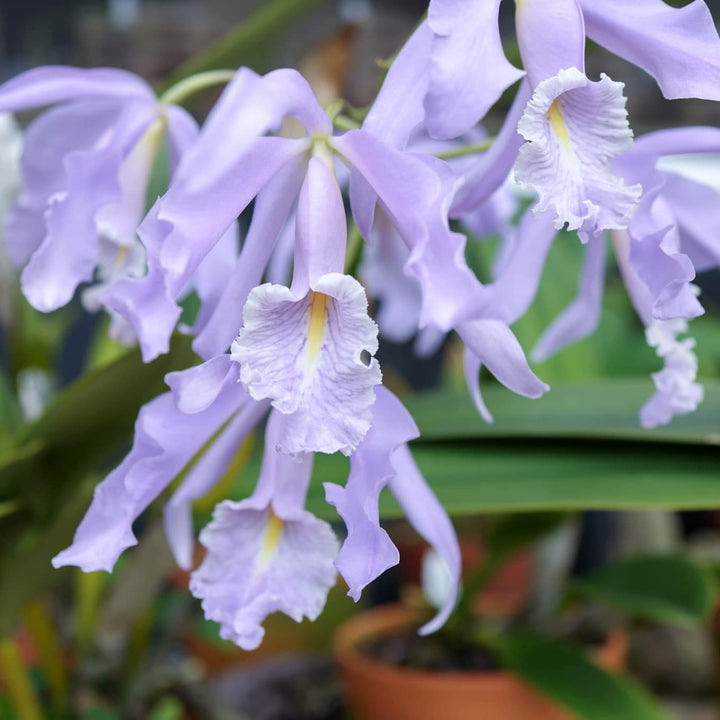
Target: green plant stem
(354, 250)
(466, 150)
(343, 122)
(17, 682)
(179, 92)
(88, 591)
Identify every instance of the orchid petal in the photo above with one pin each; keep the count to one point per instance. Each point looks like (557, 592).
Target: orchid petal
(542, 55)
(493, 167)
(679, 47)
(312, 356)
(389, 120)
(166, 440)
(266, 554)
(368, 550)
(415, 193)
(495, 345)
(467, 40)
(270, 213)
(428, 517)
(51, 84)
(202, 477)
(573, 128)
(667, 273)
(582, 316)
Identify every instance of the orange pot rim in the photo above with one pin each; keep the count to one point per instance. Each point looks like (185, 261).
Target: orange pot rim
(386, 618)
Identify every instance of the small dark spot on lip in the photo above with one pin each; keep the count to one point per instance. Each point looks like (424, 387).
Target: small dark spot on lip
(365, 358)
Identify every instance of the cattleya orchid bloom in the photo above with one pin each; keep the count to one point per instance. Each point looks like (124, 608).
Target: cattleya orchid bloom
(285, 334)
(86, 166)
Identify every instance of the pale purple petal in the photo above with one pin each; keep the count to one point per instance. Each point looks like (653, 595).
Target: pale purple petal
(428, 517)
(667, 273)
(266, 554)
(182, 229)
(582, 316)
(51, 84)
(679, 47)
(182, 132)
(415, 193)
(320, 228)
(312, 356)
(197, 388)
(573, 129)
(389, 120)
(696, 208)
(48, 139)
(679, 141)
(551, 37)
(472, 366)
(368, 550)
(516, 286)
(677, 393)
(270, 213)
(493, 167)
(69, 253)
(468, 70)
(211, 279)
(495, 345)
(382, 273)
(202, 477)
(166, 440)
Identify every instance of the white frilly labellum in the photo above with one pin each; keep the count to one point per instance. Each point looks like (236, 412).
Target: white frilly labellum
(677, 393)
(573, 128)
(312, 356)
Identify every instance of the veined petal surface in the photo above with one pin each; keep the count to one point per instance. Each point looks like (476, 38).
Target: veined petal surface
(312, 356)
(573, 128)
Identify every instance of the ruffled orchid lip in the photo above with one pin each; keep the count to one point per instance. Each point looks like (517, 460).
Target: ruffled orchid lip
(313, 357)
(573, 128)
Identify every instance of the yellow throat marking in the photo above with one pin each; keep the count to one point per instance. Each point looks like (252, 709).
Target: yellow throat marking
(557, 122)
(271, 538)
(317, 321)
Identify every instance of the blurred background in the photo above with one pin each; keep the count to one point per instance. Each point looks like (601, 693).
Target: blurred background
(134, 644)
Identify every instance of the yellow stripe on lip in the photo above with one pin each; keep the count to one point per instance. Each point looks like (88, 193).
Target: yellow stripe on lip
(317, 322)
(271, 538)
(557, 122)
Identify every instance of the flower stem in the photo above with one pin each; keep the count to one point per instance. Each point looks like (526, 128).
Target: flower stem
(466, 150)
(46, 639)
(182, 90)
(17, 682)
(343, 122)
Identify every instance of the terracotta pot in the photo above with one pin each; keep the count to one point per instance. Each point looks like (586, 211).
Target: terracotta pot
(381, 691)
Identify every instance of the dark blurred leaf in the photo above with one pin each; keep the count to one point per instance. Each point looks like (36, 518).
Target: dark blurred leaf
(82, 431)
(511, 533)
(665, 589)
(569, 677)
(248, 43)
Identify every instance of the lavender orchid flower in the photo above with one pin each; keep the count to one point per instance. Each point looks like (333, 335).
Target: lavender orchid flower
(267, 553)
(86, 167)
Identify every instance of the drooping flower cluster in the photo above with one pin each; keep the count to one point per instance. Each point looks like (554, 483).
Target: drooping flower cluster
(298, 350)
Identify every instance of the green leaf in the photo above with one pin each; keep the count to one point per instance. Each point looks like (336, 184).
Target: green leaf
(82, 431)
(525, 476)
(662, 588)
(599, 410)
(569, 677)
(85, 425)
(511, 533)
